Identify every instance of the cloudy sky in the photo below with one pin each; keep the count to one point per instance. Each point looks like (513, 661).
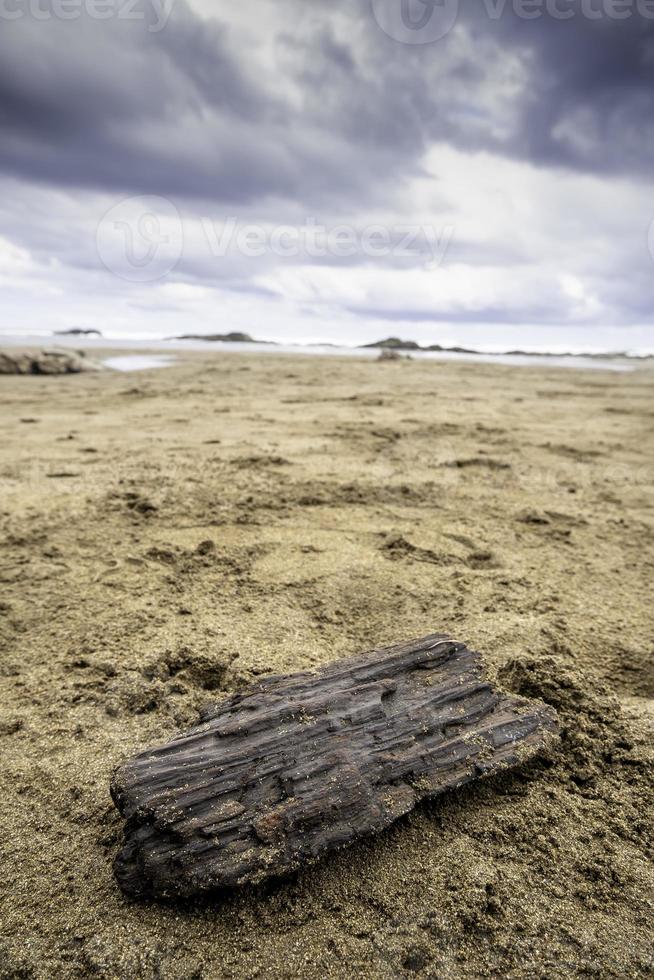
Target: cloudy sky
(477, 173)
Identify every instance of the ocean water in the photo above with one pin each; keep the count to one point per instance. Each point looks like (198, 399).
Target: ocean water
(136, 362)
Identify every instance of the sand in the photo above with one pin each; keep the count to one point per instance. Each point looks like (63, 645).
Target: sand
(170, 536)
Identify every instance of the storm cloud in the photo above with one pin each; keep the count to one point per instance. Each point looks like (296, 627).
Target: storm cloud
(531, 138)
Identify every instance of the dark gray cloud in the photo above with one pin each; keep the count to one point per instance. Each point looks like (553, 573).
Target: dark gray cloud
(108, 105)
(190, 111)
(299, 107)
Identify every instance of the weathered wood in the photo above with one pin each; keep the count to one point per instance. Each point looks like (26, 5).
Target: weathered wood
(300, 764)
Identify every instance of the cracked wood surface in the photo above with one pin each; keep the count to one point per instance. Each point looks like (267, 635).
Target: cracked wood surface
(296, 765)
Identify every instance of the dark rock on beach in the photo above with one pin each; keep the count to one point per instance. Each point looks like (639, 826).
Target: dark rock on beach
(48, 362)
(226, 338)
(394, 343)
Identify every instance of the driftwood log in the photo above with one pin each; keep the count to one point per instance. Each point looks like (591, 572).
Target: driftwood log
(300, 764)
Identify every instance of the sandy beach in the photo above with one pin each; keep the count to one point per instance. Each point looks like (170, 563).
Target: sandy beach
(169, 536)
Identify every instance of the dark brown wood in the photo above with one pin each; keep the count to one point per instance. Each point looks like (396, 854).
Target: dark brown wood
(300, 764)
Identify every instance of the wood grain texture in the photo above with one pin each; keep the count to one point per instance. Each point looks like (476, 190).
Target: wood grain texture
(298, 765)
